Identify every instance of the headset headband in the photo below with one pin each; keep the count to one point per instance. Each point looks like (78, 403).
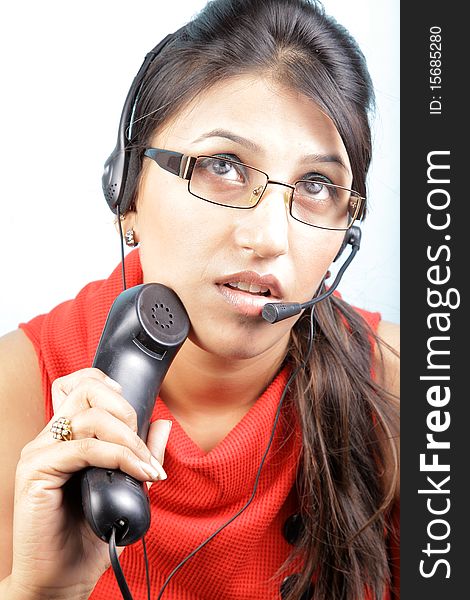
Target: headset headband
(114, 180)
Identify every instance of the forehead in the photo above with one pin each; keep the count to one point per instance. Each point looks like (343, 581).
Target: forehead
(275, 119)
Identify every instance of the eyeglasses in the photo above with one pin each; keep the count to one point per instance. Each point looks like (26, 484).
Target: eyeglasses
(233, 184)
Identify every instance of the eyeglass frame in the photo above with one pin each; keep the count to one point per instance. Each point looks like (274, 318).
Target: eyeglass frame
(182, 165)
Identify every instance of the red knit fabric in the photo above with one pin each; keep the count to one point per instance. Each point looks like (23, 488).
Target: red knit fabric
(202, 490)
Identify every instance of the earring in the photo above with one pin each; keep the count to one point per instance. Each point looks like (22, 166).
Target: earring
(130, 239)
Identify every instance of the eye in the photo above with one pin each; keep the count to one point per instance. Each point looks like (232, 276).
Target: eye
(316, 186)
(223, 166)
(313, 187)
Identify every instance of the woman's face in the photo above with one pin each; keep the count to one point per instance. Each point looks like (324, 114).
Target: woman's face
(202, 250)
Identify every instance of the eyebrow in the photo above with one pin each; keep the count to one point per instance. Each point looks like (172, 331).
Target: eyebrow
(250, 145)
(224, 133)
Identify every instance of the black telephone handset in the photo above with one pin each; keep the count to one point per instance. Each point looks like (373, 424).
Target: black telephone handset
(146, 326)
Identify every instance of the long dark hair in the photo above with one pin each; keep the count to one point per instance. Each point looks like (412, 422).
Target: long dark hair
(348, 474)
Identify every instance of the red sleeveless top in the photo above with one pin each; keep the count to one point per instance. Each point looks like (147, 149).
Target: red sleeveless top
(202, 490)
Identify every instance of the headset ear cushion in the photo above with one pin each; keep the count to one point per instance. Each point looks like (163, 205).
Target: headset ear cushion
(133, 170)
(344, 243)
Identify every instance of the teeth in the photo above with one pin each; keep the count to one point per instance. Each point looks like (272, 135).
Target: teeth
(253, 288)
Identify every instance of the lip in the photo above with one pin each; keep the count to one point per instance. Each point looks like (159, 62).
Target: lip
(244, 302)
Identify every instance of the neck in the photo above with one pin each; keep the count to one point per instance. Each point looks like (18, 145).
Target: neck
(200, 383)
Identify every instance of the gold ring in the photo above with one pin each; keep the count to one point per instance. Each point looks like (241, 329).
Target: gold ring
(62, 429)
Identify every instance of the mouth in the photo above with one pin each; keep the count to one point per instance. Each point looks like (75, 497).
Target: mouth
(253, 283)
(248, 291)
(250, 288)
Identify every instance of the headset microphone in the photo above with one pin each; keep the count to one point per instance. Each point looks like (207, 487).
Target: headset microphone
(273, 312)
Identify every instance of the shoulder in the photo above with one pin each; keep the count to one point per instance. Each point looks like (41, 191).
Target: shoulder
(386, 350)
(387, 357)
(23, 417)
(390, 333)
(20, 385)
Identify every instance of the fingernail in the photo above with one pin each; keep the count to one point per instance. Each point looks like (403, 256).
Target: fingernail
(158, 467)
(113, 384)
(149, 470)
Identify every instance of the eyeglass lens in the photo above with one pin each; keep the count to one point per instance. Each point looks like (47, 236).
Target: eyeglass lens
(233, 184)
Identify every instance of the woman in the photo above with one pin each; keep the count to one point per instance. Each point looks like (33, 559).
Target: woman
(273, 93)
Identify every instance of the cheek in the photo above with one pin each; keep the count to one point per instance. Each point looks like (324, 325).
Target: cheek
(178, 238)
(312, 258)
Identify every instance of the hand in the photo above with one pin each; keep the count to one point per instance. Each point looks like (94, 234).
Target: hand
(55, 552)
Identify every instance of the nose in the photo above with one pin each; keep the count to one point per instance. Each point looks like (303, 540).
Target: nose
(264, 229)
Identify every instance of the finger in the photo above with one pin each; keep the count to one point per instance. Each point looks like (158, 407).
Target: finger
(100, 424)
(51, 466)
(90, 392)
(157, 438)
(62, 386)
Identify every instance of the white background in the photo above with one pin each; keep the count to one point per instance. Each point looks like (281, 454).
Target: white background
(65, 71)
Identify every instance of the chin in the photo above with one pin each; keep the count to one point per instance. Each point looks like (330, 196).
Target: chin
(240, 343)
(234, 352)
